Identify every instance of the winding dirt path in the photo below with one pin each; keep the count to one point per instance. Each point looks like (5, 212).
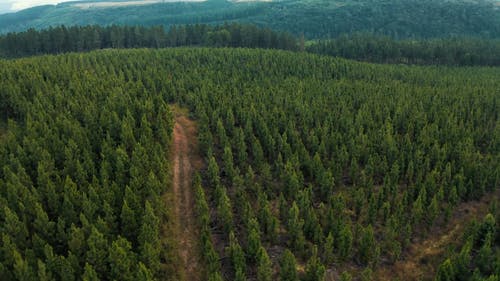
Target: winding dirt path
(185, 160)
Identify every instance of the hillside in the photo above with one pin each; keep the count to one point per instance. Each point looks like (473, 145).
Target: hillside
(313, 167)
(313, 18)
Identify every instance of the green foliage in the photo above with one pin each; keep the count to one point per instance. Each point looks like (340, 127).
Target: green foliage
(92, 37)
(288, 267)
(315, 271)
(237, 256)
(253, 241)
(313, 18)
(295, 226)
(345, 276)
(84, 160)
(448, 51)
(367, 246)
(445, 272)
(478, 258)
(345, 241)
(264, 268)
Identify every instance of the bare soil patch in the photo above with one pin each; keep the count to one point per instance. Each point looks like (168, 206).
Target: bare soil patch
(185, 160)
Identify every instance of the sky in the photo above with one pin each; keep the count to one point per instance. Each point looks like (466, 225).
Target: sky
(16, 5)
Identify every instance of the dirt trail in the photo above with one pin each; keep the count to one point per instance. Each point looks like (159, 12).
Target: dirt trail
(185, 160)
(424, 256)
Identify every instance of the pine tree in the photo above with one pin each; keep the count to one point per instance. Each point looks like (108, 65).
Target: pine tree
(143, 273)
(89, 273)
(224, 210)
(367, 246)
(121, 260)
(295, 225)
(345, 242)
(236, 255)
(432, 211)
(128, 219)
(96, 254)
(213, 172)
(315, 271)
(446, 272)
(240, 275)
(264, 266)
(288, 267)
(485, 256)
(267, 220)
(227, 159)
(253, 242)
(328, 249)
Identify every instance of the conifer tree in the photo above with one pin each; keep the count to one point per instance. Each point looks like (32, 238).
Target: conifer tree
(345, 241)
(253, 242)
(328, 249)
(315, 271)
(264, 266)
(288, 267)
(446, 272)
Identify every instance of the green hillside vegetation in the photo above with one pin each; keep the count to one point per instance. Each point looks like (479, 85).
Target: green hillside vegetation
(465, 51)
(478, 254)
(78, 39)
(313, 18)
(380, 49)
(312, 162)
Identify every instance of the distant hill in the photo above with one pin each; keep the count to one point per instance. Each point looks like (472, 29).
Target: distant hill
(313, 18)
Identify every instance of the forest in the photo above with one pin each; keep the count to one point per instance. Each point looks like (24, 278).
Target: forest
(315, 167)
(315, 19)
(85, 38)
(379, 49)
(459, 51)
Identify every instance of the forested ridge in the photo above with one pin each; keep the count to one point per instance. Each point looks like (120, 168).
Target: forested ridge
(315, 19)
(379, 49)
(460, 51)
(86, 38)
(325, 165)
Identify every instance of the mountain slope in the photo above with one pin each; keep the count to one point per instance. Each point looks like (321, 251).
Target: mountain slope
(312, 162)
(313, 18)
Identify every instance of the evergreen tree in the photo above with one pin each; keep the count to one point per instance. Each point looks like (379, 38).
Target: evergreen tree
(328, 249)
(367, 246)
(288, 267)
(253, 241)
(315, 271)
(345, 241)
(264, 267)
(446, 272)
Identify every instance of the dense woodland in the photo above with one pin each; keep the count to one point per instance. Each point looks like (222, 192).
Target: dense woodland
(325, 163)
(77, 39)
(464, 51)
(378, 49)
(315, 19)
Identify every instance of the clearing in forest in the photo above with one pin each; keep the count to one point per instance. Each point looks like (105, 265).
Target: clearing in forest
(424, 256)
(185, 159)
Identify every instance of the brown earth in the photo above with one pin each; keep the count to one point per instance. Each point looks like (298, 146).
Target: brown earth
(185, 159)
(421, 260)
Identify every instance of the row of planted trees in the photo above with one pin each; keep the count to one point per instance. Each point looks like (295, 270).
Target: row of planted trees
(460, 51)
(63, 39)
(83, 167)
(311, 161)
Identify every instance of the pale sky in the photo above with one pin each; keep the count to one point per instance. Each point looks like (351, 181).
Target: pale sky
(16, 5)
